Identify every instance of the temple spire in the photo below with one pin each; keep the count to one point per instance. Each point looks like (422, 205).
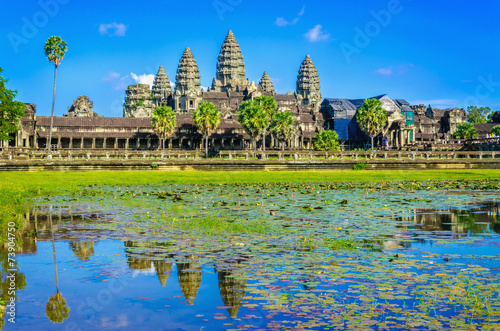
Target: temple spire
(161, 84)
(266, 83)
(308, 86)
(230, 67)
(188, 74)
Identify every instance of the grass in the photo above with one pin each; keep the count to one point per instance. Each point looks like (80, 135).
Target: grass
(16, 188)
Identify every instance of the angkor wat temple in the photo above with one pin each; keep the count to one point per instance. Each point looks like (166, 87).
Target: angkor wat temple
(83, 128)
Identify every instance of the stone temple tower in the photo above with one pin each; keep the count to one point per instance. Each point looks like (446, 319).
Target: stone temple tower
(308, 87)
(161, 87)
(188, 94)
(230, 68)
(266, 85)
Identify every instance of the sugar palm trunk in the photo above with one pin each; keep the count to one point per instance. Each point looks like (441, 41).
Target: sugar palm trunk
(53, 104)
(372, 143)
(206, 146)
(264, 141)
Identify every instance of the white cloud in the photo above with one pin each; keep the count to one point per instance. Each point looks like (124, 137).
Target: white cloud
(143, 79)
(391, 71)
(118, 82)
(172, 84)
(111, 76)
(113, 29)
(384, 72)
(281, 22)
(317, 34)
(204, 88)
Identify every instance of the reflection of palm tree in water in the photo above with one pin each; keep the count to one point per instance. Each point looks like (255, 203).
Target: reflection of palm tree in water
(56, 308)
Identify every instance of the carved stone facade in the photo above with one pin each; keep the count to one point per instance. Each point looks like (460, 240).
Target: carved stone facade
(82, 107)
(162, 89)
(308, 86)
(139, 101)
(231, 73)
(266, 85)
(437, 124)
(188, 93)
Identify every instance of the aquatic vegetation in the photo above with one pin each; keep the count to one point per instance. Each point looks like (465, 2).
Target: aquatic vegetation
(315, 255)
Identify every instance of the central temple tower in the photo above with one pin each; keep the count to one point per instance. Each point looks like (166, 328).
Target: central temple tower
(230, 68)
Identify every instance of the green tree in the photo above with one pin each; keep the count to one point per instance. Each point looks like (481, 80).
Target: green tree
(466, 131)
(478, 114)
(496, 130)
(207, 119)
(371, 117)
(494, 117)
(254, 119)
(282, 126)
(55, 49)
(270, 106)
(327, 140)
(164, 122)
(57, 309)
(10, 111)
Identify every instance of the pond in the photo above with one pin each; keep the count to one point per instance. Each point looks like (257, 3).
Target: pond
(260, 256)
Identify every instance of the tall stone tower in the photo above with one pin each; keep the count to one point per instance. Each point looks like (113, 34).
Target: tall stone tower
(308, 86)
(187, 95)
(230, 68)
(161, 87)
(266, 84)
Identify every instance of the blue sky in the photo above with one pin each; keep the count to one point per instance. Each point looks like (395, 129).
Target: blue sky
(440, 52)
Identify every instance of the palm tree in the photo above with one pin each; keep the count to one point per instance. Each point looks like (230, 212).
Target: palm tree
(56, 309)
(164, 122)
(270, 106)
(282, 127)
(372, 117)
(253, 118)
(207, 119)
(466, 131)
(55, 49)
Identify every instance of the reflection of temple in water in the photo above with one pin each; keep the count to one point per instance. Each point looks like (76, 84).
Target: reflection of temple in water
(189, 275)
(484, 219)
(82, 249)
(232, 291)
(163, 269)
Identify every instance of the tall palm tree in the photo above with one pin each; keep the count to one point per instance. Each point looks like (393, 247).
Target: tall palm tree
(372, 117)
(164, 122)
(270, 106)
(283, 126)
(55, 49)
(253, 119)
(207, 119)
(56, 309)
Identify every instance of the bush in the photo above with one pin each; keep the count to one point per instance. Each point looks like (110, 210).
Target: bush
(327, 140)
(359, 166)
(466, 131)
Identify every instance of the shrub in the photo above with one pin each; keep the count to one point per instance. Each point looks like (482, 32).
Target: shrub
(359, 166)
